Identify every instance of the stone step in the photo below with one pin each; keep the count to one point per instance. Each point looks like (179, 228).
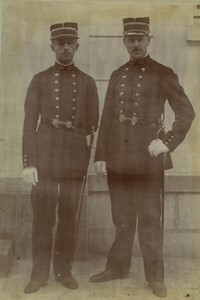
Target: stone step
(5, 256)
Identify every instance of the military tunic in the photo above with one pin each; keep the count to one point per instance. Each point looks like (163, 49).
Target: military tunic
(133, 114)
(65, 95)
(132, 118)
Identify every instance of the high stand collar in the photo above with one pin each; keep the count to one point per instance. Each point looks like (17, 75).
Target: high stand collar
(63, 67)
(140, 61)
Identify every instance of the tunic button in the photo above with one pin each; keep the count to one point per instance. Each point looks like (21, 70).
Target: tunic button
(122, 84)
(121, 93)
(137, 94)
(124, 76)
(126, 69)
(73, 108)
(57, 98)
(140, 76)
(56, 81)
(73, 99)
(169, 140)
(172, 136)
(73, 117)
(74, 83)
(57, 116)
(166, 143)
(57, 90)
(121, 111)
(73, 75)
(143, 69)
(57, 74)
(122, 102)
(75, 91)
(57, 106)
(134, 114)
(138, 85)
(136, 104)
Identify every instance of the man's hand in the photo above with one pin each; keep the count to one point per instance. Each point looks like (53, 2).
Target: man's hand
(157, 147)
(100, 168)
(30, 175)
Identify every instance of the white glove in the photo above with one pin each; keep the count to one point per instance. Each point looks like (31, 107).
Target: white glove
(157, 147)
(100, 168)
(30, 175)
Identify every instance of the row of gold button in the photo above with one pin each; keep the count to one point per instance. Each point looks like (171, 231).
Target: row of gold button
(57, 97)
(137, 94)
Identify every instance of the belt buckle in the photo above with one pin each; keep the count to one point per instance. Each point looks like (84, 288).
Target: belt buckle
(122, 118)
(55, 123)
(68, 124)
(134, 120)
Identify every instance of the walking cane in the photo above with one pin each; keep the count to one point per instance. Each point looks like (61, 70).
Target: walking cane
(162, 182)
(81, 201)
(163, 196)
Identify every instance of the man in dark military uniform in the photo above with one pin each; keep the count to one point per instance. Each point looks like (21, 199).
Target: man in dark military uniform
(61, 109)
(131, 148)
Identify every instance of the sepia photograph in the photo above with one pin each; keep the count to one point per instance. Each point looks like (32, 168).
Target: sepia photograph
(99, 150)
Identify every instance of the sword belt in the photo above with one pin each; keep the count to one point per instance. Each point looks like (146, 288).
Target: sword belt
(68, 124)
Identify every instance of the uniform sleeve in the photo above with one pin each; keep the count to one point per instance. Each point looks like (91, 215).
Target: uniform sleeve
(32, 111)
(182, 108)
(92, 107)
(106, 121)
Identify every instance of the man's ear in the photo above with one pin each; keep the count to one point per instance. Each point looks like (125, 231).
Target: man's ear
(52, 47)
(124, 41)
(77, 45)
(149, 38)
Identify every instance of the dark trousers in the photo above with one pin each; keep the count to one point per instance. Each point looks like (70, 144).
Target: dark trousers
(45, 198)
(136, 199)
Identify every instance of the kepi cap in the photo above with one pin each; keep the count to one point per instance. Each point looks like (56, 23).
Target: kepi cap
(64, 30)
(136, 26)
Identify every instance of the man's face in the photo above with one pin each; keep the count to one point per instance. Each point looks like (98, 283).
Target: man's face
(64, 49)
(136, 45)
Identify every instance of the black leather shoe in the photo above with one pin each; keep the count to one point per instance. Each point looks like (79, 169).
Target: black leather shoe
(68, 282)
(107, 275)
(33, 286)
(158, 289)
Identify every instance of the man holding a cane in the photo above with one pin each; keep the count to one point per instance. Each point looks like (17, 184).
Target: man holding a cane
(61, 109)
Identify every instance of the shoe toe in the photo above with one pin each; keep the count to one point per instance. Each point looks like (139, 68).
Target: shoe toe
(68, 282)
(33, 286)
(158, 289)
(104, 276)
(93, 279)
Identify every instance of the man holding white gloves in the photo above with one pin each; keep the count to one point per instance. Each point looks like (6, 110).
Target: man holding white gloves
(134, 150)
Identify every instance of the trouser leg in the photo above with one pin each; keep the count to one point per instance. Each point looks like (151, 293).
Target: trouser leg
(70, 190)
(44, 199)
(150, 226)
(124, 218)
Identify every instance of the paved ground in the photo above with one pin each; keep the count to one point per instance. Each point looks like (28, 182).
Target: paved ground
(182, 279)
